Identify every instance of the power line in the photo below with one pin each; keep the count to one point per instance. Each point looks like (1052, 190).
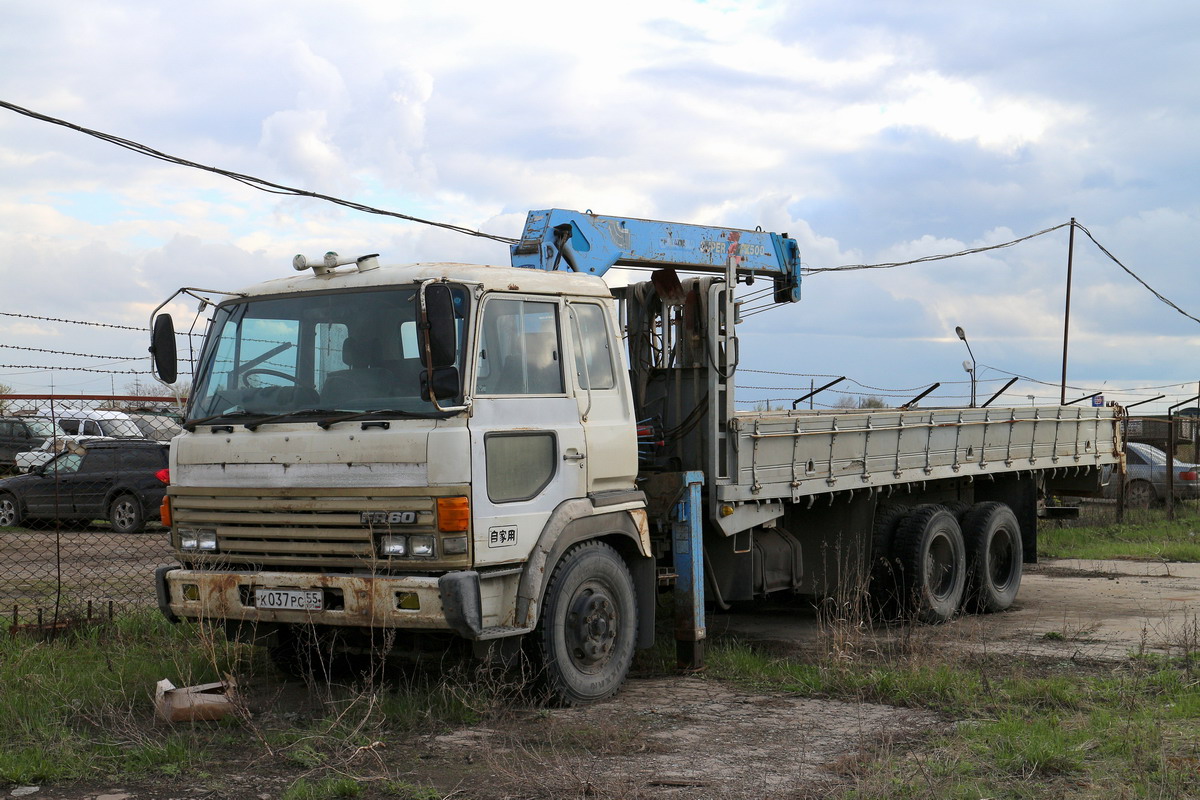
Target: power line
(941, 257)
(249, 180)
(1133, 275)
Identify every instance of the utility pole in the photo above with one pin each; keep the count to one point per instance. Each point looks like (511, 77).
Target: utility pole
(1067, 313)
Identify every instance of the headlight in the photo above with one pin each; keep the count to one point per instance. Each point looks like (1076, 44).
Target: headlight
(202, 540)
(393, 546)
(421, 546)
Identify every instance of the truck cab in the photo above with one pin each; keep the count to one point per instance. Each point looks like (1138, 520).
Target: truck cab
(414, 448)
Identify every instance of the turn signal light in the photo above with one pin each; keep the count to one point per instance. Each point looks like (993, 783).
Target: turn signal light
(164, 512)
(454, 514)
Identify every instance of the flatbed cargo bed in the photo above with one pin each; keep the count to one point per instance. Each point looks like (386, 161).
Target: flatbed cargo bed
(798, 454)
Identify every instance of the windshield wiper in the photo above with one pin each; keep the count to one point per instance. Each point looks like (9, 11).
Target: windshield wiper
(190, 425)
(386, 412)
(253, 426)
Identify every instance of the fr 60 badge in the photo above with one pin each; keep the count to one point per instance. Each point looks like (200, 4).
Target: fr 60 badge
(387, 517)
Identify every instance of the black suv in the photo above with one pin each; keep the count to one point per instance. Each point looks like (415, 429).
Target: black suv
(16, 436)
(122, 481)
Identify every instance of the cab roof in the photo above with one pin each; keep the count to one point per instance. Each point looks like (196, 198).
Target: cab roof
(506, 279)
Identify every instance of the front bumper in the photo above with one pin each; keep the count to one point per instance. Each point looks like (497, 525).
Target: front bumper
(450, 602)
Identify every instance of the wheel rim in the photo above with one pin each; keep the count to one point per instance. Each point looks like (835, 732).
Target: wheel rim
(1139, 494)
(123, 514)
(1001, 556)
(940, 567)
(8, 513)
(591, 627)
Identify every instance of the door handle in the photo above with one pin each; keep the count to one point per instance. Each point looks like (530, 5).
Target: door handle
(574, 455)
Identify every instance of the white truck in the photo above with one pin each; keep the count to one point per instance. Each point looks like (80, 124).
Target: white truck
(521, 458)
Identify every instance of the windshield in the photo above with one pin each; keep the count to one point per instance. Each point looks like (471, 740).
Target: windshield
(329, 352)
(124, 428)
(41, 426)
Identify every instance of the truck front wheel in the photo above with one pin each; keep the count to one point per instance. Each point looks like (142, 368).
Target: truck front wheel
(930, 552)
(588, 627)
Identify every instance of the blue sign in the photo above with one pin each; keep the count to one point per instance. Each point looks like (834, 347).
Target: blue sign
(1098, 401)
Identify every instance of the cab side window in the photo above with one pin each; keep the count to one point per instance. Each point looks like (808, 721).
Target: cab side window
(520, 351)
(593, 356)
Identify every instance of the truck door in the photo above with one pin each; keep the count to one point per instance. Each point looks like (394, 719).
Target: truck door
(604, 402)
(527, 443)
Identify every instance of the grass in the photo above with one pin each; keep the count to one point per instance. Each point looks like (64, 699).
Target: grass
(1022, 729)
(1146, 535)
(80, 706)
(79, 709)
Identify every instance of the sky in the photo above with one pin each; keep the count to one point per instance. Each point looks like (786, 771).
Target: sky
(869, 131)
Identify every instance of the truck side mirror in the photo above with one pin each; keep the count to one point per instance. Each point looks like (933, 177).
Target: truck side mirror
(438, 335)
(441, 384)
(162, 348)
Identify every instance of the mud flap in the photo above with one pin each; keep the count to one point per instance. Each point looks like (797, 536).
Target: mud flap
(461, 602)
(164, 594)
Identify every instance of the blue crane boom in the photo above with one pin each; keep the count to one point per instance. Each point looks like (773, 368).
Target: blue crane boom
(557, 239)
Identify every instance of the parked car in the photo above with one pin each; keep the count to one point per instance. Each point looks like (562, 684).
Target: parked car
(16, 435)
(159, 427)
(93, 422)
(48, 449)
(1146, 477)
(122, 481)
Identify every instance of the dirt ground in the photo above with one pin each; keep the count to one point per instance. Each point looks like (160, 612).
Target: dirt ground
(694, 737)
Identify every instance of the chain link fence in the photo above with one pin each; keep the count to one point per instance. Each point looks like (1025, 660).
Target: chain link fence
(83, 478)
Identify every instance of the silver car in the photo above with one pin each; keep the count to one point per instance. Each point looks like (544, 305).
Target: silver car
(1146, 477)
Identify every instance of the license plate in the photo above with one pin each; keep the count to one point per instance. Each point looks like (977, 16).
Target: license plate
(288, 599)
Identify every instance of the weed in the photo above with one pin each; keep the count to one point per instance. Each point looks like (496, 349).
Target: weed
(409, 791)
(323, 789)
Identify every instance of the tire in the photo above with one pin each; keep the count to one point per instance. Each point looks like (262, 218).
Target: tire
(992, 537)
(959, 509)
(883, 565)
(588, 628)
(10, 511)
(931, 556)
(1140, 494)
(126, 514)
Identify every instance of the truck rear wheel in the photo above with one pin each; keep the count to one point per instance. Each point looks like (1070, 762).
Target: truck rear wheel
(931, 556)
(588, 627)
(883, 565)
(993, 540)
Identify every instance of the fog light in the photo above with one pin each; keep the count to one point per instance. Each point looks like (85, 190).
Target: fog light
(191, 592)
(454, 545)
(393, 545)
(421, 546)
(408, 601)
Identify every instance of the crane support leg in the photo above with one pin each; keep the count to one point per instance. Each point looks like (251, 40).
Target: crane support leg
(687, 528)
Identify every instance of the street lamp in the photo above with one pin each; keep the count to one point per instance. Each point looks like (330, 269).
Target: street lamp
(968, 366)
(1031, 399)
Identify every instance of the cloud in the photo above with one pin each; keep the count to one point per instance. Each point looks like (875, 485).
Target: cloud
(869, 132)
